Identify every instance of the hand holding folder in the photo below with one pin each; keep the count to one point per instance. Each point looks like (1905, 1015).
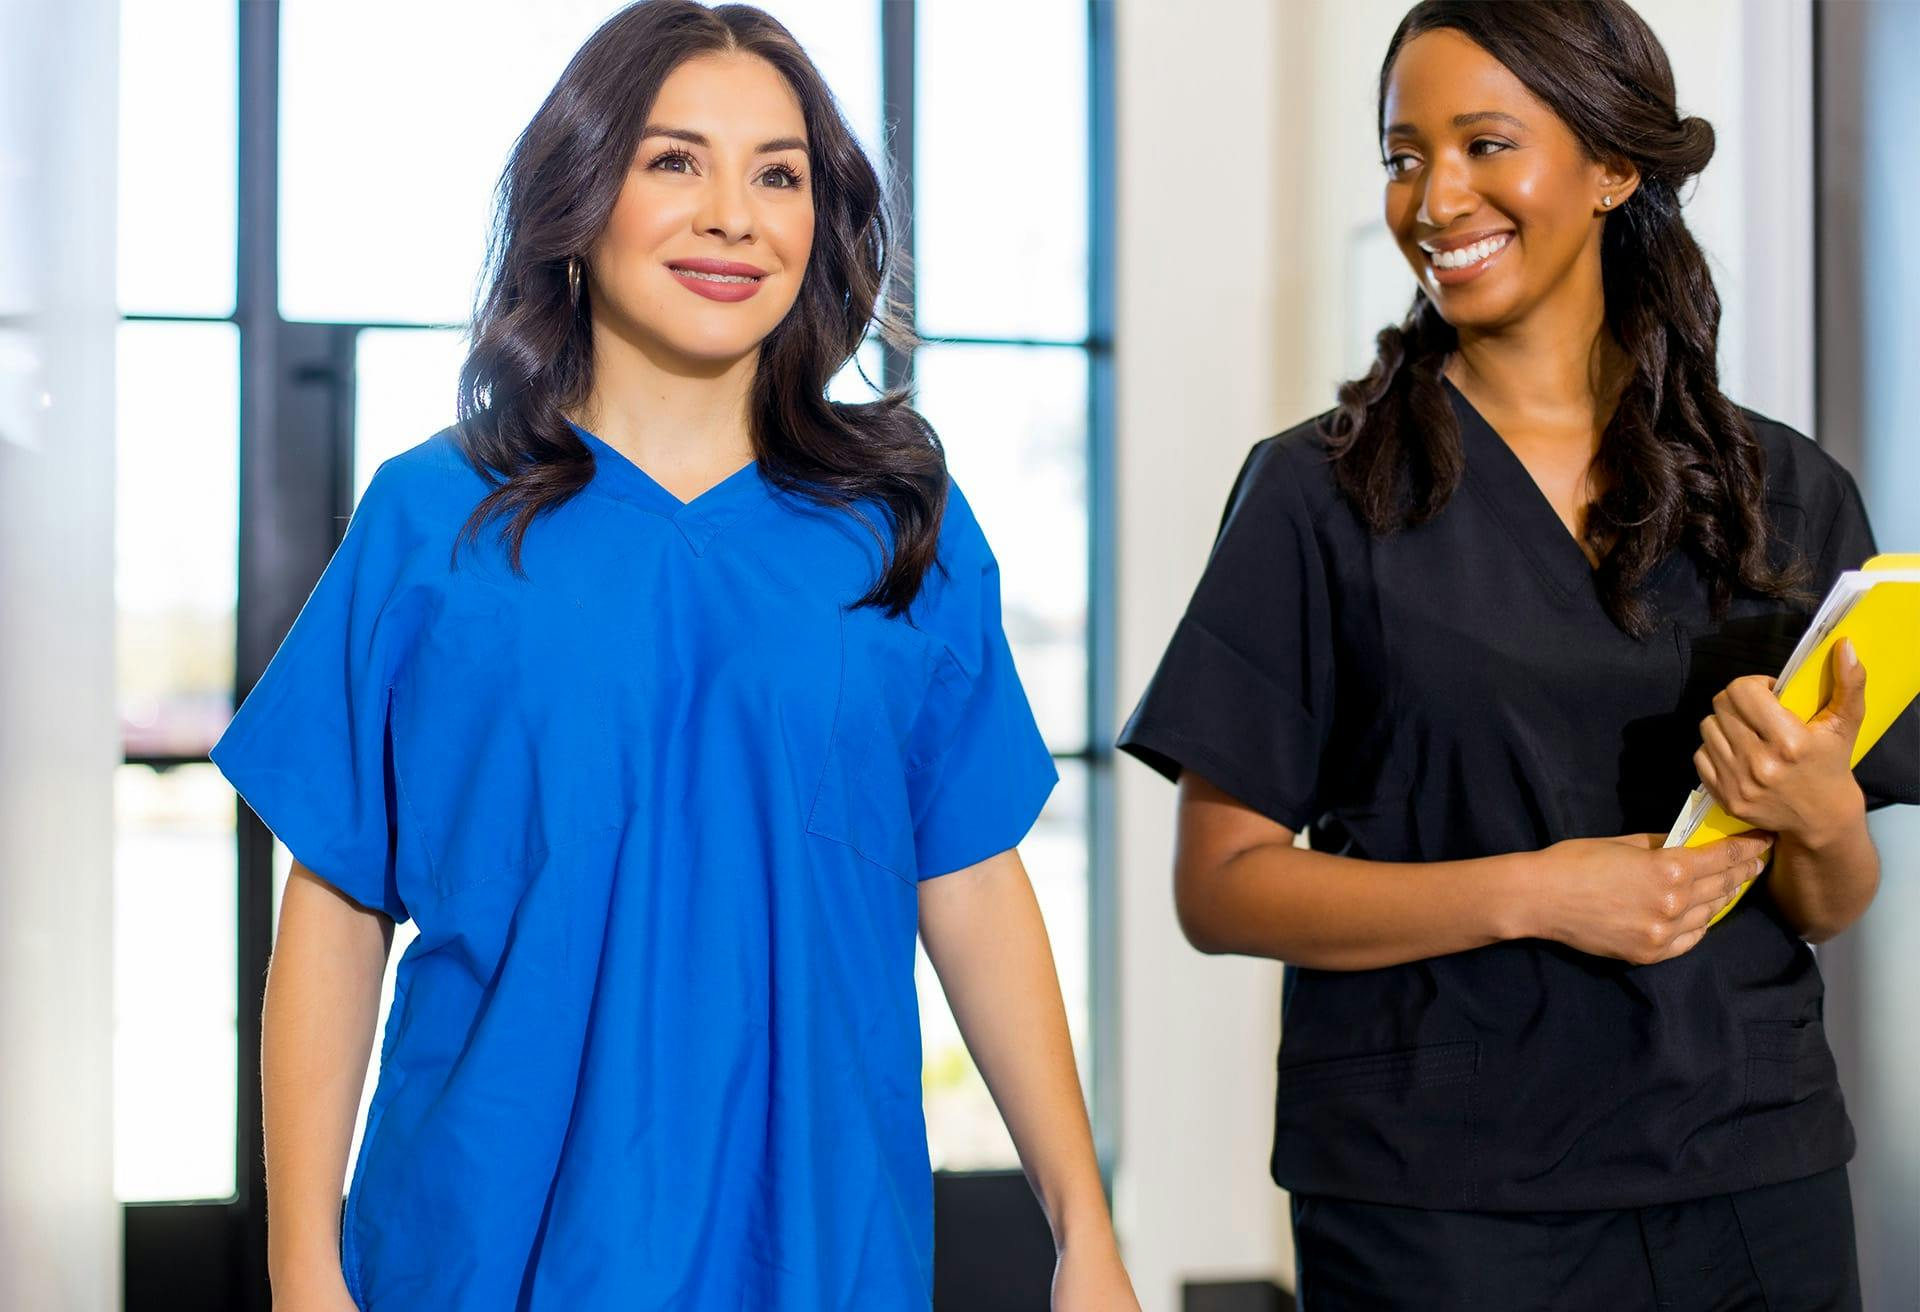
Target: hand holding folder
(1876, 608)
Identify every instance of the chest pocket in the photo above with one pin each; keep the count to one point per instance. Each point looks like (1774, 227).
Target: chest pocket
(862, 799)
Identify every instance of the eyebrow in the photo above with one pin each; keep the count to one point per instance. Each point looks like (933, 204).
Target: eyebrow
(699, 139)
(1464, 121)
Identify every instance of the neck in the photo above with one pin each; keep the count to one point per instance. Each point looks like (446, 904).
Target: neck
(1560, 365)
(665, 411)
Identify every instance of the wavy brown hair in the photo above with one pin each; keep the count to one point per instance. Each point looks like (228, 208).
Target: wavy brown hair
(1678, 465)
(532, 347)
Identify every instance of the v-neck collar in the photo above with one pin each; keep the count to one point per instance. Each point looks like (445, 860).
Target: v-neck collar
(1518, 502)
(699, 520)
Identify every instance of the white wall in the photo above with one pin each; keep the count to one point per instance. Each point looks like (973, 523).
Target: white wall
(1252, 271)
(1198, 211)
(59, 1223)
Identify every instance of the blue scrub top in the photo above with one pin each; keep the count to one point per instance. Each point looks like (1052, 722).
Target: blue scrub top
(658, 811)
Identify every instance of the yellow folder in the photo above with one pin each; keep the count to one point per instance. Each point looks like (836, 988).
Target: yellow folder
(1878, 607)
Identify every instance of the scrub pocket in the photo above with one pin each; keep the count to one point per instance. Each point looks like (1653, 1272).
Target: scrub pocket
(1393, 1117)
(1792, 1093)
(862, 800)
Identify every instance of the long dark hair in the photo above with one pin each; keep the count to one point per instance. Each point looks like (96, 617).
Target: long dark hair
(532, 352)
(1678, 465)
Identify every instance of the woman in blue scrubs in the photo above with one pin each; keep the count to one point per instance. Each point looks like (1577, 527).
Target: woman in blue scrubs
(656, 692)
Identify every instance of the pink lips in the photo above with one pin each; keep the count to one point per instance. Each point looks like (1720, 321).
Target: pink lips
(688, 273)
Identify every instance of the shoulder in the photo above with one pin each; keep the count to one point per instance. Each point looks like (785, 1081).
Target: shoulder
(1289, 473)
(962, 541)
(433, 468)
(425, 486)
(1799, 472)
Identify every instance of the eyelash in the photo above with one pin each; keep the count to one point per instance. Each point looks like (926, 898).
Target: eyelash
(1387, 163)
(792, 175)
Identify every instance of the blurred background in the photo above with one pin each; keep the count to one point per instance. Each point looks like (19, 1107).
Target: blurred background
(237, 240)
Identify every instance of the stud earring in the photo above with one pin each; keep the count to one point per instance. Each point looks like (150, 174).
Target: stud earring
(1606, 202)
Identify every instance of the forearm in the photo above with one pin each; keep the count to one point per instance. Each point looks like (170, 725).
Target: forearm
(1331, 912)
(322, 1000)
(986, 938)
(1823, 881)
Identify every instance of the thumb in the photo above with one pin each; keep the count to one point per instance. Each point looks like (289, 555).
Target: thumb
(1847, 706)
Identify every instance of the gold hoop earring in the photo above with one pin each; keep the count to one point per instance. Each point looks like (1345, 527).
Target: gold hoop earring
(573, 279)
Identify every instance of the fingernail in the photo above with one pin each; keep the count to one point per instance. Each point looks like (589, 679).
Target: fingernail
(1847, 653)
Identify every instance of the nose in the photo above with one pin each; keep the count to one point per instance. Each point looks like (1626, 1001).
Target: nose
(1446, 192)
(726, 210)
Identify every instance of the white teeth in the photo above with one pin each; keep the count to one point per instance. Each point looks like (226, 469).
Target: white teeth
(1468, 255)
(715, 277)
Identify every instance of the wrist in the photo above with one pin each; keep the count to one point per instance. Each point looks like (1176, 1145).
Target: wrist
(1084, 1225)
(1834, 824)
(319, 1275)
(302, 1261)
(1516, 892)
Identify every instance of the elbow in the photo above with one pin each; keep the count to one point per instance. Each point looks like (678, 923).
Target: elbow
(1198, 916)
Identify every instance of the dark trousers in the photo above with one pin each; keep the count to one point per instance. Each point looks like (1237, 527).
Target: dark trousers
(1780, 1248)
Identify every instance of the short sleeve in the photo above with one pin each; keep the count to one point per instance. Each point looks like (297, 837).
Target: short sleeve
(979, 770)
(310, 747)
(1244, 694)
(1890, 772)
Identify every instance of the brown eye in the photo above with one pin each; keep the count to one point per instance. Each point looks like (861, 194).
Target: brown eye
(782, 177)
(673, 161)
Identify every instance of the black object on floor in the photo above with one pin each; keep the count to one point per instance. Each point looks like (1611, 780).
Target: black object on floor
(1234, 1296)
(992, 1248)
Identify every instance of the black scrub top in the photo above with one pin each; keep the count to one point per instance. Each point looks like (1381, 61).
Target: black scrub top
(1456, 690)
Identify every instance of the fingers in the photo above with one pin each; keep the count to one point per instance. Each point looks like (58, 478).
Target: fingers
(1678, 872)
(1754, 705)
(1685, 943)
(1741, 850)
(1687, 931)
(1748, 710)
(1847, 706)
(1716, 762)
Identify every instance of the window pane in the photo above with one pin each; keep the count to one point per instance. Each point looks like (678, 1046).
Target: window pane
(859, 379)
(178, 516)
(179, 87)
(405, 380)
(1014, 423)
(1001, 209)
(389, 157)
(175, 1035)
(964, 1130)
(842, 37)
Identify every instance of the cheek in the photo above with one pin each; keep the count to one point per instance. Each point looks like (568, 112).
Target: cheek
(640, 223)
(1401, 212)
(793, 237)
(1548, 203)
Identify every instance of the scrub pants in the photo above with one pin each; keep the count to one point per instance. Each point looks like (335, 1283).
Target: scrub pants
(1780, 1248)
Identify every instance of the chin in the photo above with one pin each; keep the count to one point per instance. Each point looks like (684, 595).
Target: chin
(1477, 309)
(715, 350)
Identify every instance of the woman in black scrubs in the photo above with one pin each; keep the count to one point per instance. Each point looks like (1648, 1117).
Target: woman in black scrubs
(1476, 632)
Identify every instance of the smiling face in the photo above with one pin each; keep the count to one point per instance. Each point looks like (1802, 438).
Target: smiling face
(707, 244)
(1489, 194)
